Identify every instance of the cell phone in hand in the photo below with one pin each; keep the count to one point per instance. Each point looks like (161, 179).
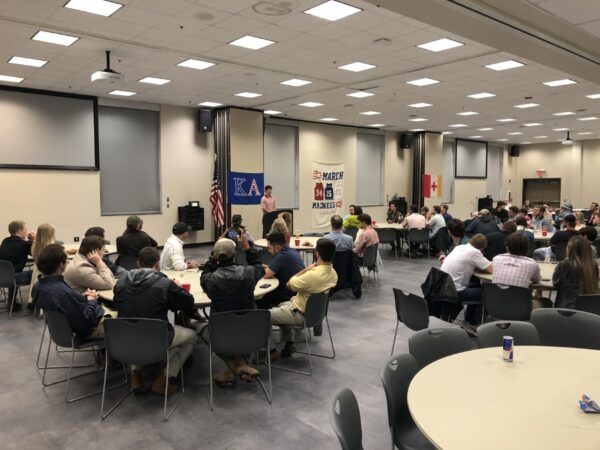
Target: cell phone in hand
(232, 234)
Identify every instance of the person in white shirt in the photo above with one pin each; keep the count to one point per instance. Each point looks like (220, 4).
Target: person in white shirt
(172, 257)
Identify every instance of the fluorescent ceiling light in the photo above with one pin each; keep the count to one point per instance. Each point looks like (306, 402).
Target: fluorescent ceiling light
(54, 38)
(377, 125)
(556, 83)
(420, 105)
(527, 105)
(508, 119)
(357, 66)
(505, 65)
(540, 137)
(502, 140)
(564, 113)
(248, 94)
(100, 7)
(585, 119)
(153, 80)
(585, 133)
(532, 124)
(447, 132)
(332, 10)
(467, 113)
(416, 130)
(422, 82)
(593, 96)
(481, 95)
(10, 79)
(525, 143)
(475, 137)
(210, 104)
(122, 93)
(196, 64)
(295, 82)
(560, 129)
(440, 45)
(27, 61)
(360, 94)
(370, 113)
(485, 129)
(329, 119)
(271, 112)
(458, 125)
(418, 119)
(311, 104)
(515, 133)
(252, 42)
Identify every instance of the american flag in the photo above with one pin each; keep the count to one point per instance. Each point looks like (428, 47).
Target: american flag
(216, 200)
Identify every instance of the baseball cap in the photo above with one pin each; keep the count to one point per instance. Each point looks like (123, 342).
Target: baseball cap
(180, 228)
(484, 212)
(567, 206)
(133, 221)
(224, 249)
(276, 238)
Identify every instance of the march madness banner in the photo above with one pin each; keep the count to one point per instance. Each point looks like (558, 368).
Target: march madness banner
(327, 192)
(432, 186)
(244, 188)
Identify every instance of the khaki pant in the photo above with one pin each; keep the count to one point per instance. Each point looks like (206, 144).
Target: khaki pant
(98, 332)
(284, 314)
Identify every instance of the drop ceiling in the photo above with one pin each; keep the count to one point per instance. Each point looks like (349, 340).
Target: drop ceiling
(148, 38)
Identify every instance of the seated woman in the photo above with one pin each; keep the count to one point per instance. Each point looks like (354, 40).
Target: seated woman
(46, 235)
(279, 226)
(579, 220)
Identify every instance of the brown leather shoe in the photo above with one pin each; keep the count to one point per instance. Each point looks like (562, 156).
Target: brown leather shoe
(136, 382)
(159, 387)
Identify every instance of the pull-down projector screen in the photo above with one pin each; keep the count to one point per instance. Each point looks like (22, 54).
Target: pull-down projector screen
(47, 130)
(471, 159)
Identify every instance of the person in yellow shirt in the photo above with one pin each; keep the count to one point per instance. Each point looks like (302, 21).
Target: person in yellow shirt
(316, 278)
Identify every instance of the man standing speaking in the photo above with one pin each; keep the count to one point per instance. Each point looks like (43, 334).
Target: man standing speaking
(267, 205)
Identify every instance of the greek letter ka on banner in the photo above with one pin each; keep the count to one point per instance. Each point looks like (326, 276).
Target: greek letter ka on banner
(432, 186)
(327, 184)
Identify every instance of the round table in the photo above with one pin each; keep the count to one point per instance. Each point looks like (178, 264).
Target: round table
(537, 235)
(475, 400)
(303, 239)
(546, 271)
(383, 225)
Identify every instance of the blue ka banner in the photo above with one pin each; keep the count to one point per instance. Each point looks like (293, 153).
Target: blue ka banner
(245, 188)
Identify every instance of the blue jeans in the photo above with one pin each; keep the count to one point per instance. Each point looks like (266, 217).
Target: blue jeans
(539, 254)
(22, 279)
(473, 312)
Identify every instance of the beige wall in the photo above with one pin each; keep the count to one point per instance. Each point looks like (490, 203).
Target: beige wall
(70, 200)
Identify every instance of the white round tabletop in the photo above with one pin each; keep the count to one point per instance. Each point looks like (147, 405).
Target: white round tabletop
(539, 236)
(307, 243)
(546, 271)
(475, 400)
(384, 224)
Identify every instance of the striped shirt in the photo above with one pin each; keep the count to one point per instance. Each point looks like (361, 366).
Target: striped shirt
(512, 270)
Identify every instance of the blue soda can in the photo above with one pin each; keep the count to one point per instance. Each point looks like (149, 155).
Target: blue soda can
(507, 348)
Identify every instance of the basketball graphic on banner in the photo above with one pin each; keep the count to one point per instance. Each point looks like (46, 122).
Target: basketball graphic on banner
(328, 190)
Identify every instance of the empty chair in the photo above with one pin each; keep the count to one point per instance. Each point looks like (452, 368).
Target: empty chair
(567, 328)
(506, 302)
(442, 241)
(387, 236)
(432, 344)
(344, 417)
(8, 281)
(396, 377)
(492, 334)
(589, 303)
(235, 333)
(418, 236)
(370, 261)
(413, 312)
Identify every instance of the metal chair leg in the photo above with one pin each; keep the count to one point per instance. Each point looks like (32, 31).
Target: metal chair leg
(301, 372)
(210, 375)
(395, 334)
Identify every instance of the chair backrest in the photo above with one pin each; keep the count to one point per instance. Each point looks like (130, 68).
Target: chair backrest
(239, 332)
(432, 344)
(411, 310)
(418, 235)
(370, 256)
(265, 256)
(589, 303)
(135, 341)
(386, 235)
(351, 231)
(396, 377)
(7, 274)
(492, 334)
(442, 239)
(560, 250)
(127, 262)
(316, 309)
(507, 302)
(567, 328)
(344, 417)
(59, 328)
(240, 256)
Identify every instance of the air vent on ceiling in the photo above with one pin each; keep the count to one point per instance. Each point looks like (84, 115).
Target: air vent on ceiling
(274, 8)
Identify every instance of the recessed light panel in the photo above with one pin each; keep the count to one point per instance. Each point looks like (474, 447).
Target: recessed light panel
(508, 119)
(485, 129)
(475, 137)
(593, 96)
(329, 119)
(377, 125)
(527, 105)
(360, 94)
(370, 113)
(416, 130)
(100, 7)
(248, 94)
(418, 119)
(515, 133)
(420, 105)
(585, 119)
(27, 61)
(585, 133)
(295, 82)
(210, 104)
(560, 129)
(440, 45)
(557, 83)
(196, 64)
(311, 104)
(502, 140)
(481, 95)
(271, 112)
(540, 137)
(505, 65)
(54, 38)
(422, 82)
(252, 42)
(154, 80)
(357, 67)
(467, 113)
(332, 10)
(532, 124)
(122, 93)
(10, 79)
(447, 132)
(564, 113)
(458, 125)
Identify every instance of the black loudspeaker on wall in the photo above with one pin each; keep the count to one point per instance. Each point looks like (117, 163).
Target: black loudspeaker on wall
(205, 119)
(514, 150)
(406, 140)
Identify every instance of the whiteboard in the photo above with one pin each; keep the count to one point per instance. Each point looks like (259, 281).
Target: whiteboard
(471, 159)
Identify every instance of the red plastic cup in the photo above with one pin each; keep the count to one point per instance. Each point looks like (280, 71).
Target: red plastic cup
(297, 242)
(544, 232)
(186, 286)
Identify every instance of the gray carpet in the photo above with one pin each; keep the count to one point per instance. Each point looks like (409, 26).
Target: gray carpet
(362, 330)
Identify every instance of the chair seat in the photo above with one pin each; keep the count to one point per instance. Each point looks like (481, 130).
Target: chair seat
(411, 438)
(436, 322)
(81, 343)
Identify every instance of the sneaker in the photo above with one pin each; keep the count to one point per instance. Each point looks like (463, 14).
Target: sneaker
(225, 378)
(159, 386)
(288, 350)
(136, 382)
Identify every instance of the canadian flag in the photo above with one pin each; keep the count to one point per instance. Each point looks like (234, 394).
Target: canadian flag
(432, 186)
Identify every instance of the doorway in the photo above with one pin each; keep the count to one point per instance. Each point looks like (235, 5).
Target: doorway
(540, 191)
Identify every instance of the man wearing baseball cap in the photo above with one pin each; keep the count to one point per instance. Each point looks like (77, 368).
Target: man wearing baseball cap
(172, 257)
(133, 238)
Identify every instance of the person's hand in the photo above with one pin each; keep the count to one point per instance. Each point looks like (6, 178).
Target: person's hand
(31, 235)
(94, 257)
(90, 294)
(176, 281)
(442, 257)
(243, 240)
(191, 264)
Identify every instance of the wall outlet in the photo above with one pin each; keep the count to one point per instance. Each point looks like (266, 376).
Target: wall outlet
(76, 239)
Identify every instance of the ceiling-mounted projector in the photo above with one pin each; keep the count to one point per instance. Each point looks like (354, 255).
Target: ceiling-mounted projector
(107, 74)
(568, 140)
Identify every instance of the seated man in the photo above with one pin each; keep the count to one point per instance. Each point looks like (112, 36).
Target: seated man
(523, 227)
(513, 211)
(460, 264)
(515, 268)
(236, 229)
(496, 241)
(147, 293)
(591, 235)
(539, 219)
(115, 269)
(316, 278)
(393, 215)
(341, 240)
(87, 270)
(500, 212)
(560, 238)
(230, 287)
(445, 214)
(414, 220)
(483, 224)
(133, 238)
(367, 238)
(456, 231)
(435, 223)
(82, 310)
(172, 257)
(16, 248)
(285, 264)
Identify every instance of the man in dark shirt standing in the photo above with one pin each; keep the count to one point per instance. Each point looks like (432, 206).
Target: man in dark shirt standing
(15, 249)
(148, 293)
(133, 238)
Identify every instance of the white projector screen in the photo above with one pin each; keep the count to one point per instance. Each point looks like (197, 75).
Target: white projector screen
(47, 130)
(471, 159)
